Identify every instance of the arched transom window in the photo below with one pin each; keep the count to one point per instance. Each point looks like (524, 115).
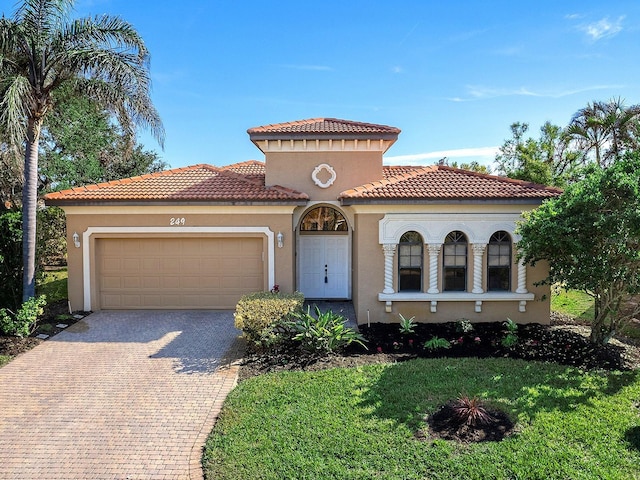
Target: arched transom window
(324, 219)
(410, 262)
(455, 262)
(499, 262)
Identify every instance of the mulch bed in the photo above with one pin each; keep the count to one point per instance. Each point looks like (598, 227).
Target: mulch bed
(563, 342)
(55, 313)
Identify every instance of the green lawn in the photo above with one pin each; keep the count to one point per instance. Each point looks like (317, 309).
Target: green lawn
(53, 284)
(572, 302)
(580, 306)
(360, 423)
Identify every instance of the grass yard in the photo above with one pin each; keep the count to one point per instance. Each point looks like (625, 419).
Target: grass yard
(53, 284)
(579, 305)
(361, 423)
(572, 302)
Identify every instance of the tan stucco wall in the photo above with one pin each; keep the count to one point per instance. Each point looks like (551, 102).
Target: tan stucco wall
(294, 169)
(277, 219)
(368, 260)
(367, 255)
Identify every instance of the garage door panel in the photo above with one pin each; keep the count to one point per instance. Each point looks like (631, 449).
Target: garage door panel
(151, 265)
(169, 282)
(169, 264)
(132, 282)
(150, 282)
(178, 273)
(112, 282)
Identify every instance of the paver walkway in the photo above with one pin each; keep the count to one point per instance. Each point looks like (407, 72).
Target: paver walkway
(118, 395)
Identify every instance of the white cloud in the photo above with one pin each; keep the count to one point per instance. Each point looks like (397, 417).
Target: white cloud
(397, 69)
(477, 92)
(481, 154)
(603, 28)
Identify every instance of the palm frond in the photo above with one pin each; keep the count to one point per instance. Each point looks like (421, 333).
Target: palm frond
(14, 105)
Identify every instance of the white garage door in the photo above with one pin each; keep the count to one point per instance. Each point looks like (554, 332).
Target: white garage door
(178, 273)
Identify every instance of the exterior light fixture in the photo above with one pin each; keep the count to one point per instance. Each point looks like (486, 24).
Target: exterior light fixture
(280, 238)
(76, 239)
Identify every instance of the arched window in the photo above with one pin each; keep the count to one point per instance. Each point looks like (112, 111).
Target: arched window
(499, 262)
(324, 219)
(455, 262)
(410, 262)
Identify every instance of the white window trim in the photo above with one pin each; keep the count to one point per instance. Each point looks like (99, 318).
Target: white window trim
(478, 298)
(174, 231)
(434, 227)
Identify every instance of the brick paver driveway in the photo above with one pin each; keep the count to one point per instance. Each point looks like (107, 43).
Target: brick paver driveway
(119, 395)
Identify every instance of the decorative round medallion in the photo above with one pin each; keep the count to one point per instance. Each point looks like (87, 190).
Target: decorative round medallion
(330, 171)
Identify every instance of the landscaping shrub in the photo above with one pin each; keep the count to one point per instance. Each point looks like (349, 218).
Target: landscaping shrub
(51, 250)
(260, 316)
(22, 323)
(11, 260)
(325, 332)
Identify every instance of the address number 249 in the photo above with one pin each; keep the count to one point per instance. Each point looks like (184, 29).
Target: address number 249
(177, 221)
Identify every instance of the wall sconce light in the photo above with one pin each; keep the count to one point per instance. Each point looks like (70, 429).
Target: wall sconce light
(280, 238)
(76, 239)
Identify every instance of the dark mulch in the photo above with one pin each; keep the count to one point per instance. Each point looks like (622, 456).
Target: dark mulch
(563, 343)
(443, 424)
(55, 313)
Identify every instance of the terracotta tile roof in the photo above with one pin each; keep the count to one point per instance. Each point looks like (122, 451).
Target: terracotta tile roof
(394, 170)
(324, 126)
(441, 183)
(250, 168)
(198, 183)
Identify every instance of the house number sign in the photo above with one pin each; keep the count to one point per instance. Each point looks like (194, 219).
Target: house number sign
(177, 221)
(324, 167)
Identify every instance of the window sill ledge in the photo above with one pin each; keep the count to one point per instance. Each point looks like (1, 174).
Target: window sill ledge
(478, 298)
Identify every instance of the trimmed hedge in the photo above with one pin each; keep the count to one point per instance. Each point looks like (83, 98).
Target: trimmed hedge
(260, 314)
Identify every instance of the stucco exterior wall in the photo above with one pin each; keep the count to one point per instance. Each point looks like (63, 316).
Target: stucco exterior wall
(369, 260)
(294, 169)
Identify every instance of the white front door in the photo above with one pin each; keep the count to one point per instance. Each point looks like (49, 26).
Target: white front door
(324, 266)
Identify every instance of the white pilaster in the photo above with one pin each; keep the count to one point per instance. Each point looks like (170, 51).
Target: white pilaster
(434, 254)
(522, 277)
(389, 250)
(478, 252)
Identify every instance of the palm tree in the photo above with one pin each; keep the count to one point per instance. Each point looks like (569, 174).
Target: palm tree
(606, 129)
(43, 50)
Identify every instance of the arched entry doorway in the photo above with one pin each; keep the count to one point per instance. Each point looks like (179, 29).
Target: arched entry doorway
(324, 260)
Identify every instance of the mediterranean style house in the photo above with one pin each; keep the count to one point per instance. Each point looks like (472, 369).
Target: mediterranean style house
(322, 215)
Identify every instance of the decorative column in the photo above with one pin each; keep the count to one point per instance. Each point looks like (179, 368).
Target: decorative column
(389, 250)
(478, 252)
(522, 278)
(434, 254)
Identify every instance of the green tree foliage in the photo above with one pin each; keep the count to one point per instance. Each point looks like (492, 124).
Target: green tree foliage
(590, 235)
(11, 175)
(43, 50)
(604, 131)
(10, 259)
(51, 250)
(472, 166)
(546, 160)
(81, 145)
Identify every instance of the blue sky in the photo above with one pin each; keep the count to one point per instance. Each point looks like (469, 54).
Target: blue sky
(451, 75)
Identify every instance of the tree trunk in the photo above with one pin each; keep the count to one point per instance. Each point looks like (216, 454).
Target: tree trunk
(29, 211)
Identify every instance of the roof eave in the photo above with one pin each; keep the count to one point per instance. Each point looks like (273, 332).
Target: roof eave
(441, 201)
(143, 203)
(256, 137)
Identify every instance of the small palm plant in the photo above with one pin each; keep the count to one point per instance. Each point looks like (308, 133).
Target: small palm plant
(407, 325)
(470, 411)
